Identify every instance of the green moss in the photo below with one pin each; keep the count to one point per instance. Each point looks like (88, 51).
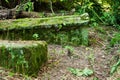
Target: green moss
(41, 22)
(84, 36)
(60, 29)
(37, 58)
(63, 37)
(24, 57)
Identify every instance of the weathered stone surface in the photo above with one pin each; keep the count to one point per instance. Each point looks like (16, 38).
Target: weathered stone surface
(23, 56)
(51, 29)
(49, 22)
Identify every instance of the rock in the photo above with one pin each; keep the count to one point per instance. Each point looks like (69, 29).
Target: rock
(25, 57)
(49, 22)
(47, 29)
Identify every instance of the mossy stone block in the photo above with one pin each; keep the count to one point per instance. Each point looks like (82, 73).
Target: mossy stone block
(48, 22)
(25, 57)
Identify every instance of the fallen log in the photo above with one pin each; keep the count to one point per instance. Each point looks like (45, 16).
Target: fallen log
(14, 14)
(6, 13)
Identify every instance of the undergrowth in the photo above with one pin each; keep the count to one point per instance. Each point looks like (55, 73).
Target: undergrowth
(73, 37)
(115, 40)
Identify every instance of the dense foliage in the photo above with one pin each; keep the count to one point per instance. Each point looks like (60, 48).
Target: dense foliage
(105, 11)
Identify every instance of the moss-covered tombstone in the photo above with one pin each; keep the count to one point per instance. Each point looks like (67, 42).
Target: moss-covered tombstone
(25, 57)
(58, 29)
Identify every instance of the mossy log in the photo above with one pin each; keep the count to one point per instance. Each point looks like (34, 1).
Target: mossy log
(25, 57)
(8, 13)
(14, 14)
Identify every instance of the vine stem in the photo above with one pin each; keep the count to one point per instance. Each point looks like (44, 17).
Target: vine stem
(51, 7)
(97, 16)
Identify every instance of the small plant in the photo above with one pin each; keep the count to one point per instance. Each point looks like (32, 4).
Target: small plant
(115, 67)
(93, 23)
(62, 38)
(35, 36)
(70, 50)
(11, 74)
(26, 6)
(100, 29)
(91, 58)
(115, 39)
(75, 37)
(95, 78)
(108, 18)
(79, 72)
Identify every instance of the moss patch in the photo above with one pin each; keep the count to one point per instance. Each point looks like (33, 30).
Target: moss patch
(25, 57)
(28, 23)
(59, 29)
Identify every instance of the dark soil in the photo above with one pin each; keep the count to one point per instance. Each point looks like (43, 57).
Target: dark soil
(59, 60)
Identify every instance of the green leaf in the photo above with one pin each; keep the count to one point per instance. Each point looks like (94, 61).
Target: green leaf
(61, 0)
(118, 63)
(79, 72)
(11, 74)
(76, 72)
(7, 1)
(35, 36)
(118, 79)
(64, 24)
(69, 48)
(114, 68)
(87, 72)
(95, 78)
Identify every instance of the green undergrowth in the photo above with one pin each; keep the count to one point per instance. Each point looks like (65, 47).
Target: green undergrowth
(115, 39)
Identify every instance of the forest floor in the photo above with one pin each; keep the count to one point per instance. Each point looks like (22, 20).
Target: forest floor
(98, 57)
